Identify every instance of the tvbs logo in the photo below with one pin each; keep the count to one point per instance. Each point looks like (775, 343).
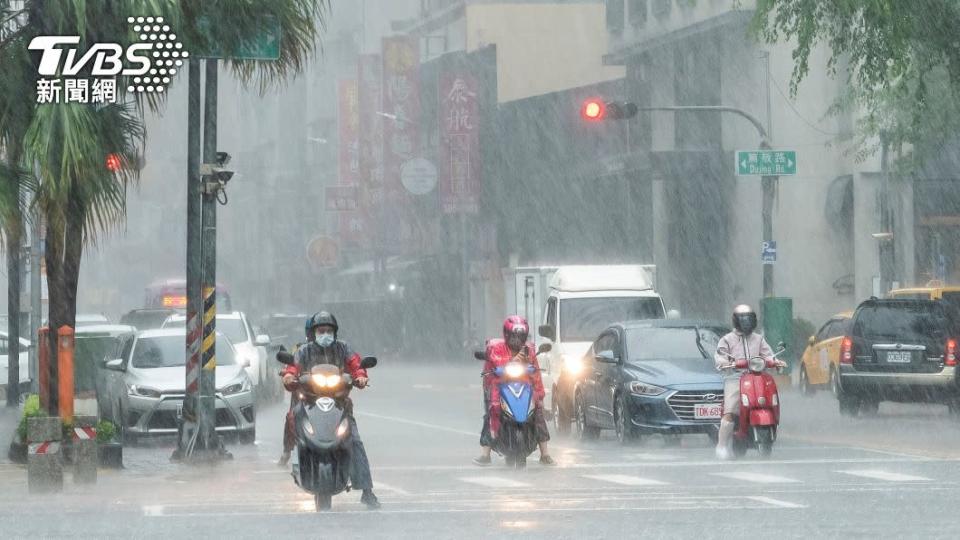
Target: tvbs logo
(148, 64)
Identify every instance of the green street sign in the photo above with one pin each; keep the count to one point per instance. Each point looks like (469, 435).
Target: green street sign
(263, 46)
(766, 162)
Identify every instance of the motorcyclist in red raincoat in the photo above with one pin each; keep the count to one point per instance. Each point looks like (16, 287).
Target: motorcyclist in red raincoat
(513, 346)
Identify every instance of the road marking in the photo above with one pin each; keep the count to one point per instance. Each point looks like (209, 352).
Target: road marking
(756, 477)
(624, 479)
(494, 481)
(423, 386)
(387, 487)
(776, 502)
(153, 510)
(416, 423)
(887, 476)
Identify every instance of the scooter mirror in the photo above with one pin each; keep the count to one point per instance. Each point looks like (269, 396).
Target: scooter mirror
(285, 357)
(781, 347)
(544, 347)
(480, 355)
(368, 362)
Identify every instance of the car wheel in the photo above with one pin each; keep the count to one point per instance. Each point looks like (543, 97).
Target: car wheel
(806, 388)
(835, 383)
(869, 407)
(626, 432)
(126, 438)
(849, 405)
(561, 422)
(248, 436)
(584, 430)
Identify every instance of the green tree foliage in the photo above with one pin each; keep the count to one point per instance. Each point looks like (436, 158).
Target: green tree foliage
(901, 60)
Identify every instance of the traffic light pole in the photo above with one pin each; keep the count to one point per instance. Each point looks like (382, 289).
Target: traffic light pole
(189, 429)
(768, 183)
(208, 343)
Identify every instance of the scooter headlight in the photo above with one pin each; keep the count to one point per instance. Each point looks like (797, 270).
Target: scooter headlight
(757, 364)
(308, 427)
(343, 429)
(325, 381)
(514, 370)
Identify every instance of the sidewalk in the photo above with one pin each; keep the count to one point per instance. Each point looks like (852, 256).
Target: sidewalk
(9, 416)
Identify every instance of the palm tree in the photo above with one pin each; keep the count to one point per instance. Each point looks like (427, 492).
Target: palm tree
(77, 196)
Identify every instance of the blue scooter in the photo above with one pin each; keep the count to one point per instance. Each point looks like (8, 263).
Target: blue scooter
(517, 438)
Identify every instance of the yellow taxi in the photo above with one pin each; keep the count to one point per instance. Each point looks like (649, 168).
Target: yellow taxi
(934, 290)
(818, 366)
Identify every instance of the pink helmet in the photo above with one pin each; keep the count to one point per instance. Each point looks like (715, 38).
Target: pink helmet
(515, 331)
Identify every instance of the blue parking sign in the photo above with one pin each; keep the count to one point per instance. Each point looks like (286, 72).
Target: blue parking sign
(769, 252)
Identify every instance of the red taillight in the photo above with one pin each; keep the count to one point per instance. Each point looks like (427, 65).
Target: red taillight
(846, 351)
(950, 354)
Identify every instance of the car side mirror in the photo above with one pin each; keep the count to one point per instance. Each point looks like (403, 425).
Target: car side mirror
(284, 357)
(812, 340)
(606, 357)
(548, 331)
(115, 365)
(262, 340)
(368, 362)
(480, 355)
(544, 347)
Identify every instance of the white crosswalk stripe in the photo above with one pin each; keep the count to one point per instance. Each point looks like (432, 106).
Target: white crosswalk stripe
(887, 476)
(625, 480)
(494, 481)
(757, 478)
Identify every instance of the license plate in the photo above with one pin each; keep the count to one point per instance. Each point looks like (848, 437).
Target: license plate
(899, 357)
(705, 411)
(179, 410)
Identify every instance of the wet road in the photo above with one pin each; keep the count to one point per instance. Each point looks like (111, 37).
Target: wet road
(894, 475)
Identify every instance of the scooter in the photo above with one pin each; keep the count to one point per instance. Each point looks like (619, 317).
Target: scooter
(756, 425)
(517, 437)
(322, 426)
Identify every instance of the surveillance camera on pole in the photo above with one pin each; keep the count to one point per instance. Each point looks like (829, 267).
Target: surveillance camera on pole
(215, 177)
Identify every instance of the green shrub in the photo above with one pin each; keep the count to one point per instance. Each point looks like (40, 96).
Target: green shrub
(106, 431)
(31, 408)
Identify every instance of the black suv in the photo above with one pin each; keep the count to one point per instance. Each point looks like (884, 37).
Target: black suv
(898, 350)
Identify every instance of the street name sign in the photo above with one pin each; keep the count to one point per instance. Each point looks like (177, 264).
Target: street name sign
(766, 162)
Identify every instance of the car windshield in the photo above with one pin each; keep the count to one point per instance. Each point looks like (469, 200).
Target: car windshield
(169, 351)
(582, 319)
(89, 352)
(232, 327)
(670, 343)
(902, 321)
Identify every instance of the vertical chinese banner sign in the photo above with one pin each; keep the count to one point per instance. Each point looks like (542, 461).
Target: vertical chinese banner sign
(401, 102)
(349, 156)
(371, 147)
(459, 143)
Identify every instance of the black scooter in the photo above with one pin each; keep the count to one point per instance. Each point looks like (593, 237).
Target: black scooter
(322, 427)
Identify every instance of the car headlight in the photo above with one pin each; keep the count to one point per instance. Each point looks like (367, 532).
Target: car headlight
(514, 370)
(572, 364)
(142, 391)
(645, 389)
(757, 364)
(343, 429)
(242, 385)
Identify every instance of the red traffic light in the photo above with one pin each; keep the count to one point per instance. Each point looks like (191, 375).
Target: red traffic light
(113, 162)
(593, 110)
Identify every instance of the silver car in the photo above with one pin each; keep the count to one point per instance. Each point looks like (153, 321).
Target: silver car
(145, 385)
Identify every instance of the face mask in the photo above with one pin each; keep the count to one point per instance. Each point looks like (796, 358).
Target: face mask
(324, 340)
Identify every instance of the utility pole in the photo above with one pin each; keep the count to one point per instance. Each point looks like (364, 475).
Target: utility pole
(769, 187)
(465, 269)
(208, 358)
(14, 261)
(190, 423)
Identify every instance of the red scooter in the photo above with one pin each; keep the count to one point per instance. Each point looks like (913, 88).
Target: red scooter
(756, 425)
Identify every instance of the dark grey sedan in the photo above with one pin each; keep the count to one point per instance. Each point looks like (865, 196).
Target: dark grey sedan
(650, 377)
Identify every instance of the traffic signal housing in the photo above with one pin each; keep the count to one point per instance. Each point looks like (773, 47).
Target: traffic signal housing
(595, 110)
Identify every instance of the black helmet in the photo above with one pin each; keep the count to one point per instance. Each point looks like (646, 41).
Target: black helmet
(321, 318)
(744, 319)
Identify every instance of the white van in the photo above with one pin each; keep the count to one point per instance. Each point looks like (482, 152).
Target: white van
(578, 302)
